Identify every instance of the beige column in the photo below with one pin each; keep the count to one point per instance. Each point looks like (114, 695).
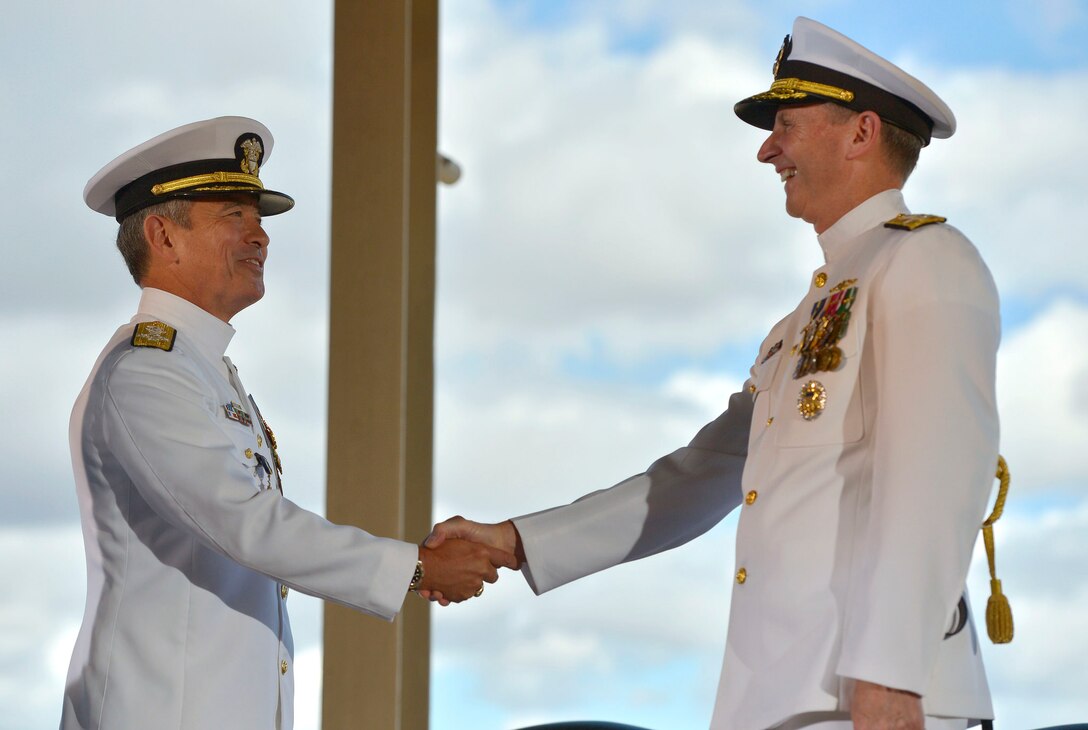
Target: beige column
(381, 340)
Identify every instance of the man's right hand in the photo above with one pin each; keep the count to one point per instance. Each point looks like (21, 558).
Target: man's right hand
(456, 569)
(502, 537)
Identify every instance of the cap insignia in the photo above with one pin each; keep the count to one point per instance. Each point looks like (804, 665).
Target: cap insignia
(906, 222)
(250, 152)
(154, 334)
(783, 54)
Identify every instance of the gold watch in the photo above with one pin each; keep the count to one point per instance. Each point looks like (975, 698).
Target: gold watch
(417, 577)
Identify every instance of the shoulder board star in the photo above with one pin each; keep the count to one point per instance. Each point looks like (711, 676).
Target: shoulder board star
(154, 334)
(906, 222)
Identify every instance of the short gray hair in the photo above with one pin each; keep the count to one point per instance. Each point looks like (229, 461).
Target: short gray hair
(901, 148)
(130, 236)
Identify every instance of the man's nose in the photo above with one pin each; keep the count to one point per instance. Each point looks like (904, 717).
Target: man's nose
(768, 150)
(257, 236)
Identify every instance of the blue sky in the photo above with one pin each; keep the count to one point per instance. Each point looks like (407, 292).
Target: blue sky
(608, 264)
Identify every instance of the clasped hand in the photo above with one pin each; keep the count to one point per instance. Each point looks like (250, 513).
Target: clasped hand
(465, 554)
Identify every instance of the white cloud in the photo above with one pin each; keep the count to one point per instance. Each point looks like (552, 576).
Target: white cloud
(610, 193)
(1042, 377)
(44, 568)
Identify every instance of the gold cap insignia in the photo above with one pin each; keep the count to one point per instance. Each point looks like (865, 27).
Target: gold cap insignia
(249, 152)
(154, 334)
(812, 400)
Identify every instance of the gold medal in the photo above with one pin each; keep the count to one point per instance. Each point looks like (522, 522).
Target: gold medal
(812, 400)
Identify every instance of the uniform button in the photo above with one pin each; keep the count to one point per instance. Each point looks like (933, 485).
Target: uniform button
(283, 667)
(249, 453)
(260, 441)
(283, 591)
(770, 420)
(742, 575)
(820, 280)
(752, 388)
(751, 497)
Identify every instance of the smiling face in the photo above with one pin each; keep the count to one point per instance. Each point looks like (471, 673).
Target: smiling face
(218, 261)
(808, 148)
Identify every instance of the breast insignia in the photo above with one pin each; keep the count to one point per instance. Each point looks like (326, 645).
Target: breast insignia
(154, 334)
(906, 222)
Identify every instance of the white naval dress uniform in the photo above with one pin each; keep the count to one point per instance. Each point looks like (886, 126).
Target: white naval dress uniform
(857, 526)
(191, 545)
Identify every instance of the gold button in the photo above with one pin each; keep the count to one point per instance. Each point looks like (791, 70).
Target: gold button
(742, 575)
(751, 497)
(752, 388)
(770, 420)
(260, 441)
(283, 591)
(821, 279)
(249, 453)
(283, 667)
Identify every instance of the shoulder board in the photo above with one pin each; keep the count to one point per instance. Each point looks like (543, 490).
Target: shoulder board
(154, 334)
(906, 222)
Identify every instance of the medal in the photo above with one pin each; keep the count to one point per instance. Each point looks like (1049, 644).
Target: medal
(812, 400)
(818, 350)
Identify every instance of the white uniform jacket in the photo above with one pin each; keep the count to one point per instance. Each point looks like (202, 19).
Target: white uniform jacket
(191, 545)
(858, 523)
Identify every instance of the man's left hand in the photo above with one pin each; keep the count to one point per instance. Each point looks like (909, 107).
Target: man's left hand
(876, 707)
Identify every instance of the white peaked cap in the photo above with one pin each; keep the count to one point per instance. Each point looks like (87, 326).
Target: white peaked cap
(818, 64)
(203, 159)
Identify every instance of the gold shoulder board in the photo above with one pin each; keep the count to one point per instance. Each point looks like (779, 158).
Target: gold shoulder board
(154, 334)
(906, 222)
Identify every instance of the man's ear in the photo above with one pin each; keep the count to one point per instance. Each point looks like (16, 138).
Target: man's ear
(867, 127)
(157, 234)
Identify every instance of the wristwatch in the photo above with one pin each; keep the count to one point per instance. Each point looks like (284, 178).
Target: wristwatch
(417, 577)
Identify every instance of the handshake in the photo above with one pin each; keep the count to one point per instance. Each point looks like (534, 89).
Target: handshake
(459, 556)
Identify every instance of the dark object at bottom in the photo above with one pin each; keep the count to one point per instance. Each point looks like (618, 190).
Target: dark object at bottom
(584, 725)
(1077, 726)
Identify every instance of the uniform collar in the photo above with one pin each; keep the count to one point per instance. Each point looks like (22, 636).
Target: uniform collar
(836, 240)
(207, 332)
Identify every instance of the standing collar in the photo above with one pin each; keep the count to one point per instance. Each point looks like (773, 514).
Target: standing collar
(207, 332)
(836, 240)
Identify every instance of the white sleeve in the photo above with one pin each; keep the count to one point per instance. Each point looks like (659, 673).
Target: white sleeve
(935, 326)
(678, 498)
(161, 425)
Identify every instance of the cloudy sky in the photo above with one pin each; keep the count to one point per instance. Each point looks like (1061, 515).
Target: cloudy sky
(608, 264)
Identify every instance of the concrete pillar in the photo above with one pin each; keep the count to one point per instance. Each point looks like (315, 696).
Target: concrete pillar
(381, 375)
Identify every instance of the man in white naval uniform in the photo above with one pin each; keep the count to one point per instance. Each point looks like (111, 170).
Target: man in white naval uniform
(191, 545)
(862, 448)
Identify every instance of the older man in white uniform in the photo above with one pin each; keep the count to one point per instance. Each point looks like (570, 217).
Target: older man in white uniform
(191, 545)
(861, 450)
